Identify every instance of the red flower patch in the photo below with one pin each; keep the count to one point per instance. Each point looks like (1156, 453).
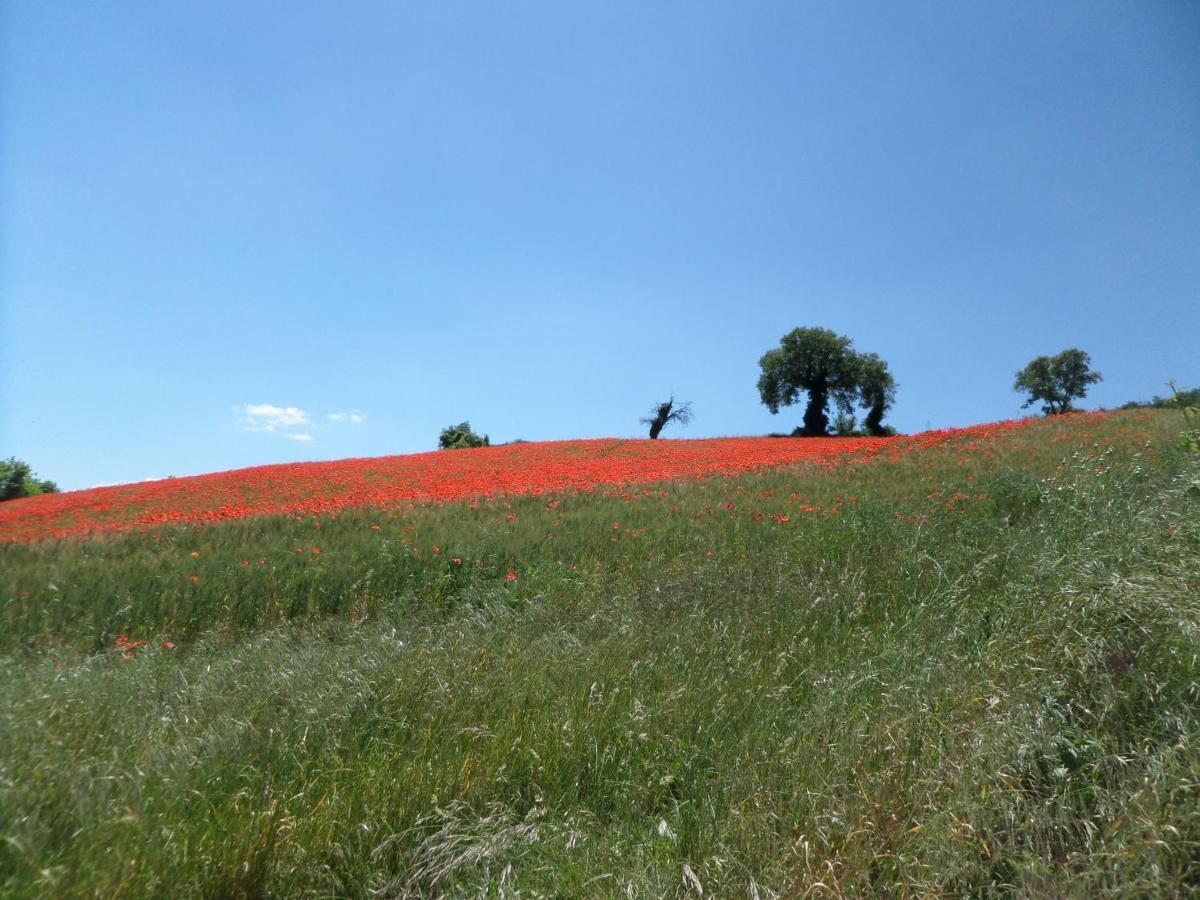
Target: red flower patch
(323, 488)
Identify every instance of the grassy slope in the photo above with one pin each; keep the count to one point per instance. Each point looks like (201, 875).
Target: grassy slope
(901, 695)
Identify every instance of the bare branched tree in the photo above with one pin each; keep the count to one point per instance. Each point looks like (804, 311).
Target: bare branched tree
(664, 413)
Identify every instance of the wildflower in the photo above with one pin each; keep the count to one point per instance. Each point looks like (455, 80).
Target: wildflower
(193, 578)
(435, 549)
(244, 563)
(316, 551)
(456, 561)
(386, 481)
(126, 646)
(511, 576)
(168, 645)
(195, 554)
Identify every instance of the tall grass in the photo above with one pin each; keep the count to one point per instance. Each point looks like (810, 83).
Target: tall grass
(972, 670)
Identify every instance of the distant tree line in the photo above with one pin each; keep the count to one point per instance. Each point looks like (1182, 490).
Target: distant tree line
(1183, 398)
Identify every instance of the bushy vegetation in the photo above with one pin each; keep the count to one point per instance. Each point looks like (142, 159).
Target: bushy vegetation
(1180, 398)
(17, 480)
(460, 436)
(970, 670)
(1189, 438)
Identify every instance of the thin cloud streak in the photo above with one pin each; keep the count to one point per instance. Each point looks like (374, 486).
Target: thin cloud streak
(266, 417)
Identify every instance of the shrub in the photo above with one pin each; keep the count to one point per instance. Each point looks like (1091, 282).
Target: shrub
(17, 480)
(457, 437)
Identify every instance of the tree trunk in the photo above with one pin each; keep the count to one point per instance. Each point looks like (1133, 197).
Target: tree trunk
(816, 422)
(874, 420)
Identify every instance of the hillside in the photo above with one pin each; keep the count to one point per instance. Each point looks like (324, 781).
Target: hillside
(957, 663)
(387, 481)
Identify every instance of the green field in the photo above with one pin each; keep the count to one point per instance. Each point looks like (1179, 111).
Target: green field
(974, 670)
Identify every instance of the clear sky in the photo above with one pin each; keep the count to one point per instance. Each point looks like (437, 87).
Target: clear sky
(222, 223)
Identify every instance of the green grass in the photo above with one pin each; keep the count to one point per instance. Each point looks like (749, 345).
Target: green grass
(979, 676)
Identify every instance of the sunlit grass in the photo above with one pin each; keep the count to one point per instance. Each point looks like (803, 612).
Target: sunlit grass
(971, 668)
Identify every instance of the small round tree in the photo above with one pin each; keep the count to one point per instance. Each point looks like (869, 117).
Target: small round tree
(1056, 380)
(460, 436)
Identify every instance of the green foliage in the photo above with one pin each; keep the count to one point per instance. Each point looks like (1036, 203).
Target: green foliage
(877, 390)
(825, 365)
(975, 678)
(1056, 380)
(1180, 397)
(460, 436)
(17, 480)
(845, 425)
(1186, 398)
(1189, 438)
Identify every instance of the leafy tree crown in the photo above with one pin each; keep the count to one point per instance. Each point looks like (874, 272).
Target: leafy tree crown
(460, 436)
(1055, 381)
(825, 365)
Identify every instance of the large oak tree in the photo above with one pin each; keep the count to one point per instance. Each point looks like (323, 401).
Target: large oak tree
(825, 366)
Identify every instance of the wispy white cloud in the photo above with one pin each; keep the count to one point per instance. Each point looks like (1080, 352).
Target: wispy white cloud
(289, 422)
(265, 417)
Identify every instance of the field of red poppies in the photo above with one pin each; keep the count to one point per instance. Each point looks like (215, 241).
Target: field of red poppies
(956, 663)
(388, 481)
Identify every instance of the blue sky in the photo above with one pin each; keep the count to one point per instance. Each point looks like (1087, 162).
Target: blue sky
(223, 223)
